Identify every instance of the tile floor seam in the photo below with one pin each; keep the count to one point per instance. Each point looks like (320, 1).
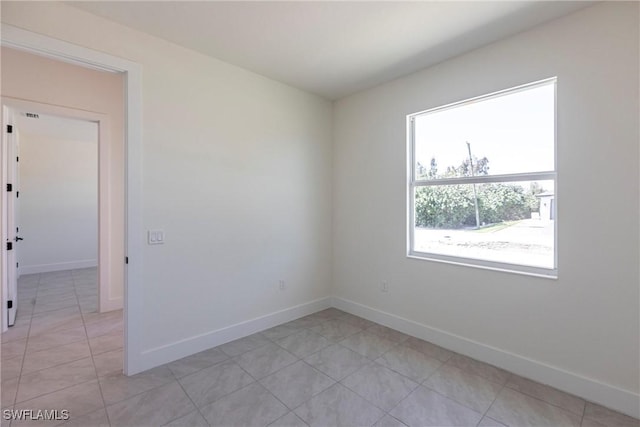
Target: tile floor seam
(277, 398)
(361, 396)
(584, 411)
(367, 400)
(24, 358)
(132, 395)
(455, 400)
(469, 371)
(399, 403)
(54, 391)
(385, 352)
(261, 385)
(224, 395)
(492, 402)
(544, 401)
(244, 352)
(61, 345)
(192, 402)
(52, 310)
(246, 372)
(37, 316)
(190, 373)
(279, 369)
(384, 414)
(242, 388)
(434, 371)
(58, 364)
(93, 362)
(312, 396)
(24, 355)
(471, 374)
(506, 385)
(317, 351)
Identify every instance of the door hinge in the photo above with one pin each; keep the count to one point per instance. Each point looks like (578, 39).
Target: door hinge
(17, 264)
(126, 260)
(17, 159)
(9, 129)
(9, 304)
(17, 194)
(9, 246)
(9, 187)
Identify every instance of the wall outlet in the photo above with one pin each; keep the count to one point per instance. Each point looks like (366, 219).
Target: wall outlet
(281, 285)
(384, 287)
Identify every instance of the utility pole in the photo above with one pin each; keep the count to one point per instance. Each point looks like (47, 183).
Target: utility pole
(475, 195)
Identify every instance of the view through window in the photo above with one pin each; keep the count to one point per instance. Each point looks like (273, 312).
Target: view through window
(482, 186)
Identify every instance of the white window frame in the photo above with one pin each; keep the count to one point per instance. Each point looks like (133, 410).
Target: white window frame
(414, 183)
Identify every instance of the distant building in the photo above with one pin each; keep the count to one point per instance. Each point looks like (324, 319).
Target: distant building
(547, 205)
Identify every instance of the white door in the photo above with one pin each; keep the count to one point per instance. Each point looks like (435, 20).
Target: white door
(9, 223)
(12, 240)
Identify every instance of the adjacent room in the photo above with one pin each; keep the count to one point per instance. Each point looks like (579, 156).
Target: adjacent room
(320, 213)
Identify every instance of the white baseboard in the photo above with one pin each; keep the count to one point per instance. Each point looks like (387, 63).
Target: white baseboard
(60, 266)
(111, 305)
(177, 350)
(589, 389)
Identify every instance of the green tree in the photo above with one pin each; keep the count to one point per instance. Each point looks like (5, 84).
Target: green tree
(452, 206)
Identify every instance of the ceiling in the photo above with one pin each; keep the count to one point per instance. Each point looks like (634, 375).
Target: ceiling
(331, 48)
(56, 128)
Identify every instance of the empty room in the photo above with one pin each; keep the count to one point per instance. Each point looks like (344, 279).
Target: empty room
(320, 213)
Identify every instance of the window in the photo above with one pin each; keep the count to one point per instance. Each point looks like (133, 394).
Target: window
(482, 181)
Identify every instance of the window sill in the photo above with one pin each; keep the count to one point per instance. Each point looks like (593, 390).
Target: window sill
(544, 273)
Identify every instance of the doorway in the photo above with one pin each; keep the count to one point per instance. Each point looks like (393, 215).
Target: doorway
(66, 206)
(53, 208)
(43, 46)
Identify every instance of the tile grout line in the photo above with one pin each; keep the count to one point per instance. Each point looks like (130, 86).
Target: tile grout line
(135, 394)
(22, 367)
(228, 359)
(494, 401)
(104, 404)
(396, 344)
(506, 385)
(263, 386)
(26, 344)
(255, 381)
(371, 362)
(191, 400)
(584, 412)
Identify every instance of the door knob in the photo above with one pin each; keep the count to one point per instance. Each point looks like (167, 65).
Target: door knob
(18, 238)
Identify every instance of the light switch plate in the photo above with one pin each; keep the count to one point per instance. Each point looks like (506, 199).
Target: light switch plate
(155, 237)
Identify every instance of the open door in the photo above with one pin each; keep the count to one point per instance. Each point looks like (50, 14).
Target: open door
(11, 193)
(9, 206)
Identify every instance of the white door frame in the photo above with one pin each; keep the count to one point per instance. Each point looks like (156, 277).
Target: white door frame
(38, 44)
(106, 303)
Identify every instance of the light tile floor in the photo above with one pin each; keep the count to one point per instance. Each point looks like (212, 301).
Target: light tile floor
(327, 369)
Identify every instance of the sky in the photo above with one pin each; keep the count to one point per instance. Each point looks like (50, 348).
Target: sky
(515, 132)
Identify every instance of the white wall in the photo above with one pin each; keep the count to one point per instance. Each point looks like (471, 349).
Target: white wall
(585, 323)
(237, 171)
(58, 215)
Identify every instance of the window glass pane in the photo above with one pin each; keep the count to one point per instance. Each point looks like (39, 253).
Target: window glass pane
(514, 223)
(512, 133)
